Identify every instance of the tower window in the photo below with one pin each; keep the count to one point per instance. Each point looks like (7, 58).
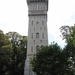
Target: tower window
(33, 6)
(37, 35)
(42, 22)
(40, 28)
(37, 6)
(43, 35)
(44, 28)
(40, 41)
(32, 35)
(43, 6)
(37, 22)
(32, 49)
(37, 48)
(32, 23)
(34, 28)
(34, 41)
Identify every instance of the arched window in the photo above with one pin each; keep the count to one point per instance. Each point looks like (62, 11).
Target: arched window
(37, 48)
(37, 35)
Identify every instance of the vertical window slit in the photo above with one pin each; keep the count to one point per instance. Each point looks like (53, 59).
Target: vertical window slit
(32, 35)
(43, 35)
(32, 49)
(32, 23)
(42, 22)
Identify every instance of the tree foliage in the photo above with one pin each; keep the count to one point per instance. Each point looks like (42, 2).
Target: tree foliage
(19, 45)
(65, 31)
(5, 53)
(13, 47)
(68, 33)
(51, 60)
(70, 40)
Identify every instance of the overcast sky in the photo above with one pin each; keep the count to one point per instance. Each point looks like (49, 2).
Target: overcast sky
(14, 17)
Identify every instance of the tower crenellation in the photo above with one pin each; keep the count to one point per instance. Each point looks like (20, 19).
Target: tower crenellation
(37, 7)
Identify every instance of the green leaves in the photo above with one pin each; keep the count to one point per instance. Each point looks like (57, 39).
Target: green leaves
(19, 46)
(50, 60)
(5, 53)
(68, 33)
(13, 47)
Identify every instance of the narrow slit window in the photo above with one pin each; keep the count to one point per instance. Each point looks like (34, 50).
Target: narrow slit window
(34, 28)
(32, 49)
(42, 7)
(33, 6)
(42, 22)
(40, 41)
(32, 23)
(37, 6)
(43, 35)
(40, 28)
(37, 35)
(32, 35)
(34, 41)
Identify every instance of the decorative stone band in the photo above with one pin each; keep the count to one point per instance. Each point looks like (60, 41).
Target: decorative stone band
(37, 0)
(37, 14)
(33, 13)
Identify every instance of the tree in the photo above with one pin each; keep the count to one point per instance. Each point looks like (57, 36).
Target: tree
(51, 60)
(19, 45)
(5, 53)
(69, 51)
(68, 32)
(65, 31)
(71, 37)
(21, 56)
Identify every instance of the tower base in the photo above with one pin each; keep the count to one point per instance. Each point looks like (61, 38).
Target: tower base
(27, 68)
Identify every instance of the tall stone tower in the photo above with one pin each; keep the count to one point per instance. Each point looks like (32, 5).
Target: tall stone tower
(37, 29)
